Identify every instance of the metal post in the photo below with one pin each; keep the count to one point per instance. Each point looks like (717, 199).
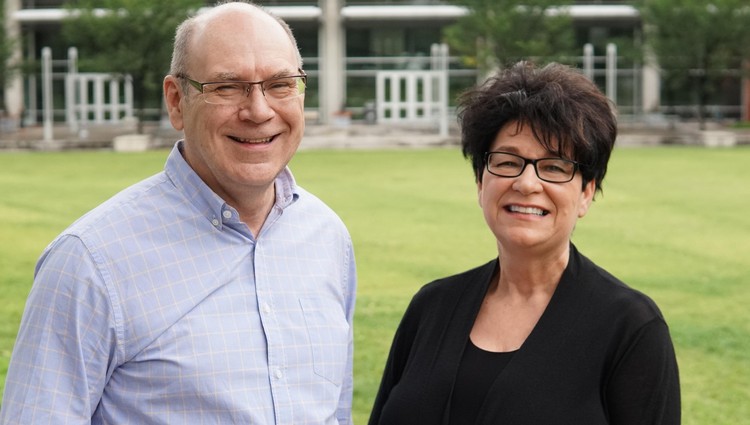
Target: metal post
(129, 96)
(83, 96)
(47, 92)
(440, 64)
(71, 93)
(588, 61)
(98, 99)
(114, 100)
(612, 72)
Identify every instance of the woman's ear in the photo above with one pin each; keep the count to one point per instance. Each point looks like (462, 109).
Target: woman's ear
(479, 193)
(587, 196)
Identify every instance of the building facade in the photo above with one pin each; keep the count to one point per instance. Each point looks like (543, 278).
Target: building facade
(345, 43)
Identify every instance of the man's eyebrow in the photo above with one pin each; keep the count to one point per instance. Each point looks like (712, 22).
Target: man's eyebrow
(231, 76)
(223, 76)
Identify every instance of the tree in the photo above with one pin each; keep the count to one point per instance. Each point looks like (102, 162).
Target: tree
(698, 43)
(128, 37)
(495, 32)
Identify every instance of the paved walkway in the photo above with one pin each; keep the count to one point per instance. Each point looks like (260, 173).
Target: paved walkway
(354, 136)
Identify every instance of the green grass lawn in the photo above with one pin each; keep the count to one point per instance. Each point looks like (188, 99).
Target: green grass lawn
(673, 222)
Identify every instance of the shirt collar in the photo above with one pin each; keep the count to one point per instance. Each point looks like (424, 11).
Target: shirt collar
(208, 203)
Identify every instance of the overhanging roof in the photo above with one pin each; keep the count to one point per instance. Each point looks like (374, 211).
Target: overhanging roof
(401, 12)
(370, 13)
(289, 13)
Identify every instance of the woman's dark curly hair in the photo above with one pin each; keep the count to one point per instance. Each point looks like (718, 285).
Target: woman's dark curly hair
(566, 111)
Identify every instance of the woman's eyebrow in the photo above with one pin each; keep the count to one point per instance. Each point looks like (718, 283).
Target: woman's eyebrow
(510, 149)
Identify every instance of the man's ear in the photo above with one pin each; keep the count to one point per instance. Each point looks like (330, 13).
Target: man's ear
(173, 101)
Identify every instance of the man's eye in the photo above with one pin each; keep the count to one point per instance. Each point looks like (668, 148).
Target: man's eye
(281, 85)
(227, 88)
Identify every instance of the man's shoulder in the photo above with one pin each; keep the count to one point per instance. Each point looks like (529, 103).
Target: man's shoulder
(142, 199)
(309, 204)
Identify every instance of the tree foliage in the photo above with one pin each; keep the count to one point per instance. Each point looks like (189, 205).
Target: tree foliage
(496, 32)
(698, 43)
(127, 37)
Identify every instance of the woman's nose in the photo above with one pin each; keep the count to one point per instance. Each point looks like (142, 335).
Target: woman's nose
(528, 181)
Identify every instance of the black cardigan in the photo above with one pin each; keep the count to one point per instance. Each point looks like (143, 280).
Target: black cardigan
(600, 354)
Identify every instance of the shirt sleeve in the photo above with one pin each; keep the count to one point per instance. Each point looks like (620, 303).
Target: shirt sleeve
(66, 342)
(645, 388)
(344, 411)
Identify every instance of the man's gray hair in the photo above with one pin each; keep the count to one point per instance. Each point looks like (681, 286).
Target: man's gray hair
(186, 30)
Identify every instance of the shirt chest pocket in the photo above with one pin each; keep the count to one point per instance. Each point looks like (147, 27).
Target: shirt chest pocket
(328, 333)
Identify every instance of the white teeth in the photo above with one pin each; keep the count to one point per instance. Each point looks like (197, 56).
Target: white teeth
(258, 141)
(526, 210)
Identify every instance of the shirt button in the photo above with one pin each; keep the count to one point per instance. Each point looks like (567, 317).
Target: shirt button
(215, 222)
(265, 308)
(227, 214)
(278, 374)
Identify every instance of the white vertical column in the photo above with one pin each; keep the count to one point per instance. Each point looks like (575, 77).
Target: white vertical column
(331, 75)
(612, 73)
(651, 86)
(83, 97)
(114, 100)
(439, 53)
(588, 61)
(47, 93)
(14, 89)
(32, 108)
(128, 96)
(412, 99)
(71, 93)
(395, 96)
(99, 99)
(429, 85)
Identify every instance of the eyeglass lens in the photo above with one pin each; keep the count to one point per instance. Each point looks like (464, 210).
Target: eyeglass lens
(554, 170)
(234, 92)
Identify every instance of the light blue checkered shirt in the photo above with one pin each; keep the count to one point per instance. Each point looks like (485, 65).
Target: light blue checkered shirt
(159, 307)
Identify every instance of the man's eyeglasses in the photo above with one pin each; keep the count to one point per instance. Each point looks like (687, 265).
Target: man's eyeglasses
(553, 170)
(234, 92)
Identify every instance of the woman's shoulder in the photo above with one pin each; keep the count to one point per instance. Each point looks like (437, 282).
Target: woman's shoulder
(452, 287)
(614, 295)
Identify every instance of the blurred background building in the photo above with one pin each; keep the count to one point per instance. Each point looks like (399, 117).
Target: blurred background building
(345, 43)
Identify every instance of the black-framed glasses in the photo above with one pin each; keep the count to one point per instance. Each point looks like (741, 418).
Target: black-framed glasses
(553, 170)
(234, 92)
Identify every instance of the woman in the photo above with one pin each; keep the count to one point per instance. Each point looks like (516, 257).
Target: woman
(540, 335)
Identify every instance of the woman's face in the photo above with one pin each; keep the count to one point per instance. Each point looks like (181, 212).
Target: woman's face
(524, 212)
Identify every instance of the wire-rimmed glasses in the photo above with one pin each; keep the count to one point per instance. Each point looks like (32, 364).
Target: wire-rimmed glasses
(553, 170)
(233, 92)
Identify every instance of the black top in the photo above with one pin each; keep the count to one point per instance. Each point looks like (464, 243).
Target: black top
(476, 373)
(600, 354)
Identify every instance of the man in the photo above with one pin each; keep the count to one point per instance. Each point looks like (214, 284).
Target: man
(215, 292)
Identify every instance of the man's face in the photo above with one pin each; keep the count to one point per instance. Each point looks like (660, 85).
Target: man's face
(242, 147)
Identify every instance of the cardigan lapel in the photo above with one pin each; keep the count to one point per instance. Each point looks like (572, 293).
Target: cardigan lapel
(542, 344)
(459, 327)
